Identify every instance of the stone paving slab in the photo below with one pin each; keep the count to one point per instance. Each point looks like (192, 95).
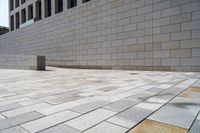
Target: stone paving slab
(60, 129)
(106, 127)
(26, 109)
(196, 125)
(98, 101)
(88, 120)
(48, 121)
(14, 130)
(20, 119)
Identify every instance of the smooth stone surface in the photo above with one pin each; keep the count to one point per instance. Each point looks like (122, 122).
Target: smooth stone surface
(121, 105)
(106, 127)
(20, 119)
(88, 120)
(196, 126)
(180, 118)
(26, 109)
(9, 107)
(60, 129)
(48, 121)
(89, 106)
(14, 130)
(130, 117)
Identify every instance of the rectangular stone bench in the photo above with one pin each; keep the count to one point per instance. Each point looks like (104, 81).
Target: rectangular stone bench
(26, 62)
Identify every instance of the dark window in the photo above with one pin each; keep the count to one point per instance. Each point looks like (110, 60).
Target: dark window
(47, 8)
(23, 15)
(23, 1)
(58, 6)
(30, 12)
(11, 5)
(17, 20)
(12, 23)
(16, 3)
(85, 1)
(71, 3)
(38, 11)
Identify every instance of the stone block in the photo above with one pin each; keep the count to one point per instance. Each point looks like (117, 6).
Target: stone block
(181, 53)
(171, 11)
(181, 18)
(195, 34)
(190, 43)
(190, 61)
(181, 35)
(161, 54)
(170, 62)
(193, 25)
(171, 28)
(196, 52)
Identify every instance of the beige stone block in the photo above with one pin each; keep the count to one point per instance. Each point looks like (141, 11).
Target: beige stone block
(145, 54)
(139, 47)
(170, 62)
(195, 43)
(161, 54)
(137, 62)
(181, 53)
(170, 45)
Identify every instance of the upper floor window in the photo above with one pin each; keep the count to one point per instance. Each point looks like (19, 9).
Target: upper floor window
(58, 6)
(47, 8)
(11, 5)
(71, 3)
(23, 13)
(38, 10)
(16, 3)
(23, 1)
(30, 12)
(12, 23)
(17, 20)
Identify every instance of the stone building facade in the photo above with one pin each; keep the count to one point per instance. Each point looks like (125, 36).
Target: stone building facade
(112, 34)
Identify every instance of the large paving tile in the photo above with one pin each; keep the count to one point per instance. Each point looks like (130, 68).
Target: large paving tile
(25, 109)
(64, 106)
(130, 117)
(60, 129)
(14, 130)
(196, 126)
(88, 120)
(106, 127)
(186, 110)
(48, 121)
(89, 106)
(20, 119)
(9, 107)
(122, 104)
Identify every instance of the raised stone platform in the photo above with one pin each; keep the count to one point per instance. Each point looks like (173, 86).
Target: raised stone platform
(27, 62)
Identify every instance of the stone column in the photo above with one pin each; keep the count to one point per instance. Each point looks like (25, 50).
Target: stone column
(79, 2)
(52, 7)
(65, 5)
(26, 8)
(20, 17)
(14, 21)
(43, 8)
(34, 10)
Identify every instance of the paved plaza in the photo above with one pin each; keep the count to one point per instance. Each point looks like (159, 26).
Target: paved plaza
(98, 101)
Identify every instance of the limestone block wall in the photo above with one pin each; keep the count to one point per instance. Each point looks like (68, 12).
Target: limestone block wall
(26, 62)
(116, 34)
